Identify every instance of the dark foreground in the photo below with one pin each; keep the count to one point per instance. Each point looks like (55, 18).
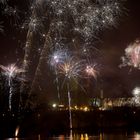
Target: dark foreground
(53, 122)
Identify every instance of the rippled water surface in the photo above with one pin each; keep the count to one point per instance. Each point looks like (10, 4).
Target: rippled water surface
(86, 136)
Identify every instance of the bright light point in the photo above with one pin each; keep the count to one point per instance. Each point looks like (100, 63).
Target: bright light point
(56, 58)
(85, 109)
(67, 68)
(136, 92)
(43, 35)
(54, 105)
(17, 131)
(76, 107)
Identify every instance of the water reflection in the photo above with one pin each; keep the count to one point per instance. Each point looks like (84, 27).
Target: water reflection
(86, 136)
(101, 136)
(13, 139)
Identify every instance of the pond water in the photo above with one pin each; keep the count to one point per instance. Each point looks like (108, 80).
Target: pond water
(86, 136)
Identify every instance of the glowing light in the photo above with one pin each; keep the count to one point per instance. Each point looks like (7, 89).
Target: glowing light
(136, 92)
(132, 55)
(86, 109)
(57, 57)
(17, 131)
(71, 67)
(90, 70)
(11, 72)
(54, 105)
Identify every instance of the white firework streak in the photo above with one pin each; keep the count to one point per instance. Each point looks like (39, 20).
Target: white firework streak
(69, 103)
(56, 58)
(71, 69)
(44, 52)
(11, 72)
(35, 26)
(91, 18)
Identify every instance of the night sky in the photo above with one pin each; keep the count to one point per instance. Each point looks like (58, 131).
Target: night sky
(115, 82)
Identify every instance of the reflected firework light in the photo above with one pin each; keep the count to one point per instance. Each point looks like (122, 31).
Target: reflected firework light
(17, 131)
(132, 55)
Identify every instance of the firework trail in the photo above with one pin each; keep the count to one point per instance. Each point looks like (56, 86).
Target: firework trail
(11, 72)
(56, 58)
(57, 82)
(17, 131)
(132, 55)
(33, 48)
(42, 62)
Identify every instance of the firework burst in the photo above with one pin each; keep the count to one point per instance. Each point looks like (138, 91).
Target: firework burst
(132, 55)
(58, 56)
(11, 72)
(71, 67)
(91, 71)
